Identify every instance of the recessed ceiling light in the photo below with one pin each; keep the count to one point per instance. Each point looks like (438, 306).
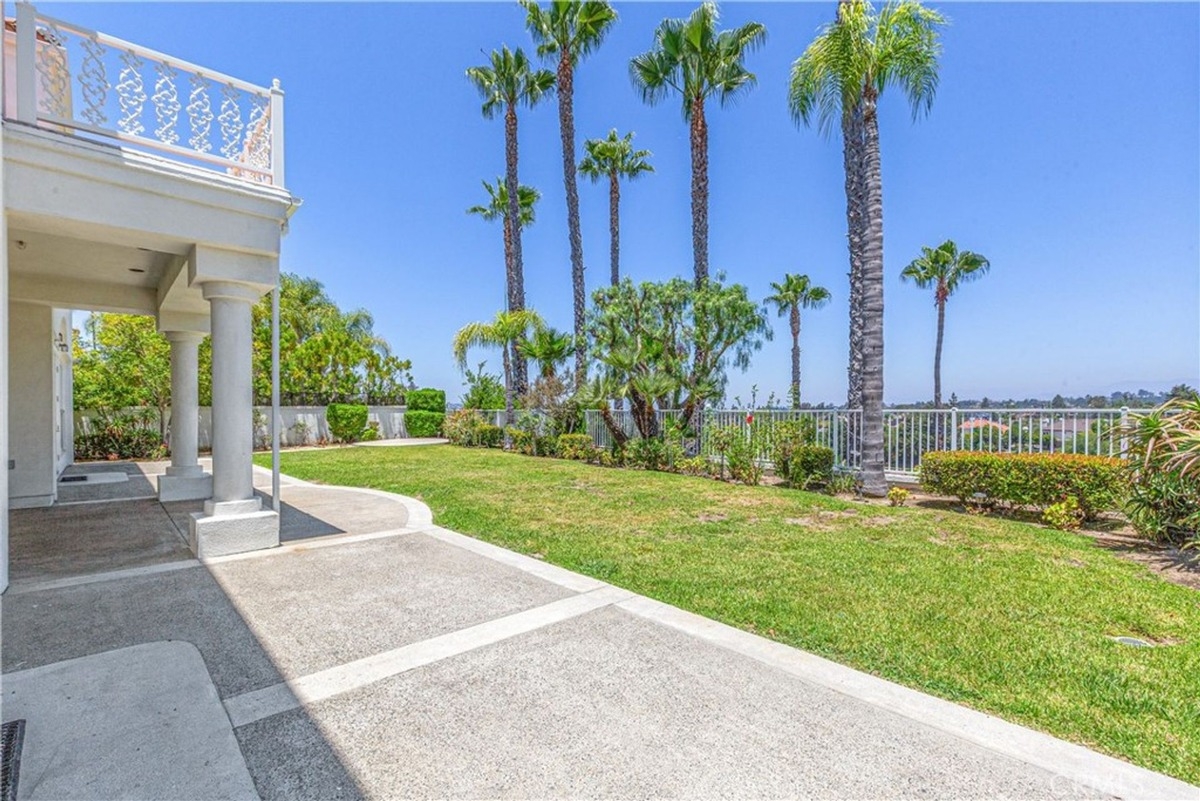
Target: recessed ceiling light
(136, 270)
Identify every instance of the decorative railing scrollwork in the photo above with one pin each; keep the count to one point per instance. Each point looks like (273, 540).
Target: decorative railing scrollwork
(71, 76)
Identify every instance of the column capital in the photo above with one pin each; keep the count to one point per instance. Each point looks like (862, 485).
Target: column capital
(230, 290)
(184, 337)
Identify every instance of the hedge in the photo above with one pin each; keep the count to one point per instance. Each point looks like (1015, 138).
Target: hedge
(423, 424)
(1039, 480)
(347, 421)
(425, 400)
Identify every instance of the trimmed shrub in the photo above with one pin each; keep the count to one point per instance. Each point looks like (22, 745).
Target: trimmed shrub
(576, 446)
(1037, 480)
(811, 465)
(347, 421)
(423, 424)
(425, 400)
(897, 496)
(490, 436)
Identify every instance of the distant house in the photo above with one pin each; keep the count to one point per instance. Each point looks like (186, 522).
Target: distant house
(982, 424)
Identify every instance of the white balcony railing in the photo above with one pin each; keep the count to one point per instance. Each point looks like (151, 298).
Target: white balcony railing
(64, 77)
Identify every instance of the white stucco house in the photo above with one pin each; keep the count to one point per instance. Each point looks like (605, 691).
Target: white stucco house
(134, 182)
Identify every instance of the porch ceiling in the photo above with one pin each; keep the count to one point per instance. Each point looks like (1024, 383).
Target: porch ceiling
(73, 273)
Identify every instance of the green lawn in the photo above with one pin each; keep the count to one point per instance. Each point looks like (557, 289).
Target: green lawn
(999, 615)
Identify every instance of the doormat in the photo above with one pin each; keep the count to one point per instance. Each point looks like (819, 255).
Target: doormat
(95, 478)
(12, 737)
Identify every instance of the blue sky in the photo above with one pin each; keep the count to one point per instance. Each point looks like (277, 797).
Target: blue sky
(1064, 144)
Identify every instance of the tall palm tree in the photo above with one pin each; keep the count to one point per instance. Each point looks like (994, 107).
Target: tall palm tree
(841, 76)
(795, 293)
(506, 82)
(614, 158)
(943, 268)
(570, 30)
(504, 331)
(549, 348)
(695, 60)
(497, 209)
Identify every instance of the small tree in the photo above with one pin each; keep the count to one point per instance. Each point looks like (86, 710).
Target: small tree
(668, 345)
(503, 331)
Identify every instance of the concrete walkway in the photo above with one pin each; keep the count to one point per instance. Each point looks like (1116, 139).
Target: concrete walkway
(411, 661)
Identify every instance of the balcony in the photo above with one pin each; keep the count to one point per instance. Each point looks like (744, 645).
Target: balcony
(62, 77)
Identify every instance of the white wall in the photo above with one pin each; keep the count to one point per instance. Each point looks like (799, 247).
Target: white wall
(302, 425)
(31, 482)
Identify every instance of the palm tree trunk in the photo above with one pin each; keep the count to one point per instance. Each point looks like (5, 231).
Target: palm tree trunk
(516, 275)
(874, 481)
(937, 356)
(855, 228)
(618, 434)
(795, 357)
(508, 395)
(614, 226)
(566, 125)
(699, 141)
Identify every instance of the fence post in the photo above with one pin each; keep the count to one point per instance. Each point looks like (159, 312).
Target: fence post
(276, 112)
(837, 440)
(953, 428)
(1124, 431)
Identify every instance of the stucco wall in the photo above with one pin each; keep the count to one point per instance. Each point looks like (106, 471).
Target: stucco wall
(302, 425)
(30, 405)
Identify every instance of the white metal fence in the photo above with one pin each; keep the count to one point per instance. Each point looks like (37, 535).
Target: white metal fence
(910, 433)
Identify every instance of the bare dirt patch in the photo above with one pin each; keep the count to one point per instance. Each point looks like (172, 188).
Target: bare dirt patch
(707, 517)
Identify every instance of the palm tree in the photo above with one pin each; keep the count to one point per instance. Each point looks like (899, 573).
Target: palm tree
(505, 330)
(614, 158)
(508, 81)
(692, 58)
(549, 348)
(841, 76)
(497, 209)
(795, 293)
(570, 30)
(943, 268)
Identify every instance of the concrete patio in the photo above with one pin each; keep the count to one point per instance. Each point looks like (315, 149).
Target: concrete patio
(377, 655)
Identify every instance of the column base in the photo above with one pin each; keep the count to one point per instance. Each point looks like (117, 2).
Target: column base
(185, 487)
(223, 534)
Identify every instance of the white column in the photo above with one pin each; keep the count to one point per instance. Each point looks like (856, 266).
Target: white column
(185, 480)
(185, 402)
(233, 398)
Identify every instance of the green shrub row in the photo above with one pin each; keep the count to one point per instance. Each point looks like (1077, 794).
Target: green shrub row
(1038, 480)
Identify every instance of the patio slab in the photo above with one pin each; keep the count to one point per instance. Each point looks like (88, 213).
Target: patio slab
(283, 614)
(610, 705)
(57, 541)
(140, 722)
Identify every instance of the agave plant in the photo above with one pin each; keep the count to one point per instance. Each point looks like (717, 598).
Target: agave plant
(1164, 454)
